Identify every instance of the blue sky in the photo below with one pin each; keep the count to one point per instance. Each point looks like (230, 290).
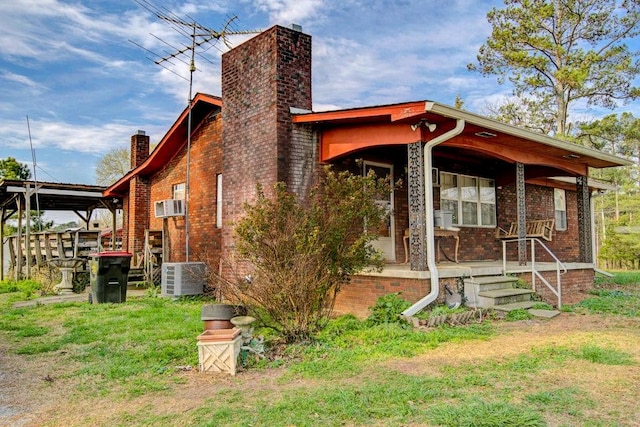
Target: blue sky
(70, 66)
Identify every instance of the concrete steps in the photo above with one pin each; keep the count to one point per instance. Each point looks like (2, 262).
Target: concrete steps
(494, 291)
(501, 294)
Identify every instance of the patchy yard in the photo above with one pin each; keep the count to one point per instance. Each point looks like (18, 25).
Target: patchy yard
(105, 365)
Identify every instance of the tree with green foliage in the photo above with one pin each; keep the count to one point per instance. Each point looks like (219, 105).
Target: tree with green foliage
(618, 135)
(112, 166)
(299, 253)
(525, 112)
(10, 168)
(618, 212)
(558, 52)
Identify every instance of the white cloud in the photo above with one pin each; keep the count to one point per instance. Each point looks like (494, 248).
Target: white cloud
(285, 12)
(65, 136)
(20, 79)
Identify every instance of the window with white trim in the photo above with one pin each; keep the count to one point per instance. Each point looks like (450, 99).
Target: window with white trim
(560, 206)
(179, 191)
(471, 199)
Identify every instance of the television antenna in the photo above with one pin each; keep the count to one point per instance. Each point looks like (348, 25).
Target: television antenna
(200, 37)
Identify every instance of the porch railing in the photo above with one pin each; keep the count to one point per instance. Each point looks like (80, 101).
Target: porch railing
(560, 267)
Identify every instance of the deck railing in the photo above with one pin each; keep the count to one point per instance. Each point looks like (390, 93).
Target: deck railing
(535, 274)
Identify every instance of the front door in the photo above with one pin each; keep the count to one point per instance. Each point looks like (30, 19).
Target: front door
(386, 242)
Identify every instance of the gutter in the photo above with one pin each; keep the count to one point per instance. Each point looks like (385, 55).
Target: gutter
(487, 123)
(430, 233)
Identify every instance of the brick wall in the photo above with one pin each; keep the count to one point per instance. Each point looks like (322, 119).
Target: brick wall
(261, 80)
(363, 291)
(303, 159)
(539, 204)
(576, 285)
(205, 164)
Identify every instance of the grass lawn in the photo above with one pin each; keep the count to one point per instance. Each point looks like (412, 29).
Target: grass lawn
(128, 364)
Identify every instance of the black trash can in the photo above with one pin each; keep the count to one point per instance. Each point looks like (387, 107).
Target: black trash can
(109, 275)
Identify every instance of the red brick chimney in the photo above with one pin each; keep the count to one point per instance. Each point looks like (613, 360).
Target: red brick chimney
(262, 79)
(139, 148)
(139, 198)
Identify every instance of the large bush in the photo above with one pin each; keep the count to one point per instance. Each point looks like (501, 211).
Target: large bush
(301, 252)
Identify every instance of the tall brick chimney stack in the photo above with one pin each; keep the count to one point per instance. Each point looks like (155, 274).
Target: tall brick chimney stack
(262, 79)
(139, 148)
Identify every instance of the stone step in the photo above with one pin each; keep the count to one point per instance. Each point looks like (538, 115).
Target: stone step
(515, 306)
(490, 283)
(490, 279)
(547, 314)
(503, 296)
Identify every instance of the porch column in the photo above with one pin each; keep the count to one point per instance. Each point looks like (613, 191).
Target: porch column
(584, 220)
(521, 214)
(417, 231)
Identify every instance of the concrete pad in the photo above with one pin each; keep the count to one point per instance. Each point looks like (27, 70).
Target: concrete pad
(514, 306)
(57, 299)
(547, 314)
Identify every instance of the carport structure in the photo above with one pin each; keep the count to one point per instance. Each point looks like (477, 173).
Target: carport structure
(17, 196)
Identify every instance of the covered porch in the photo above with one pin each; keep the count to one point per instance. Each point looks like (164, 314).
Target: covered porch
(30, 249)
(489, 175)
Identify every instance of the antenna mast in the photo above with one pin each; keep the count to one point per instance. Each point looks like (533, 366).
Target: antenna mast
(200, 35)
(35, 177)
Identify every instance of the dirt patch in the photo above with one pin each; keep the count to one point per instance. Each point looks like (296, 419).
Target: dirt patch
(35, 392)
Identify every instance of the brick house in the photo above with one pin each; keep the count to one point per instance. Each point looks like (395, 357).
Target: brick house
(482, 181)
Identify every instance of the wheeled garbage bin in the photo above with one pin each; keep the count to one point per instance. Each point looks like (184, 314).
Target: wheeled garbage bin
(108, 277)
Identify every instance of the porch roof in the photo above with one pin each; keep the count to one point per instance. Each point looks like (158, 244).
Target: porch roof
(52, 196)
(349, 130)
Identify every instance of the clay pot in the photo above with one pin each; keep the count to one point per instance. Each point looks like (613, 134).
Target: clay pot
(218, 316)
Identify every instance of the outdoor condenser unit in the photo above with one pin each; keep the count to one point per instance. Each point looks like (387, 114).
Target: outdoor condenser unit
(183, 278)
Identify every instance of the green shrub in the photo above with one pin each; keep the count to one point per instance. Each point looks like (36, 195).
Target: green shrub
(27, 287)
(298, 251)
(340, 326)
(387, 309)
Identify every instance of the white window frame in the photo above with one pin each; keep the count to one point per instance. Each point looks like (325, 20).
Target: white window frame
(461, 200)
(179, 191)
(560, 208)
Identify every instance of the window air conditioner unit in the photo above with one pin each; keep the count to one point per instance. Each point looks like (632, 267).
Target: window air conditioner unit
(183, 278)
(169, 207)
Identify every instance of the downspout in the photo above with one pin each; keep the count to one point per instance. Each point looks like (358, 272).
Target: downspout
(430, 233)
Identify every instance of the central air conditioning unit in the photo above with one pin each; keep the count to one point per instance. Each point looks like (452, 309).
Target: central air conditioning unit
(169, 207)
(183, 278)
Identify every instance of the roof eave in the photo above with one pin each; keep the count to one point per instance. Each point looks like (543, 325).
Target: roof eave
(120, 187)
(485, 122)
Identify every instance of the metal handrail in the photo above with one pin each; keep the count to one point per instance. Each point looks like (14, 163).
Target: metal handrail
(557, 291)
